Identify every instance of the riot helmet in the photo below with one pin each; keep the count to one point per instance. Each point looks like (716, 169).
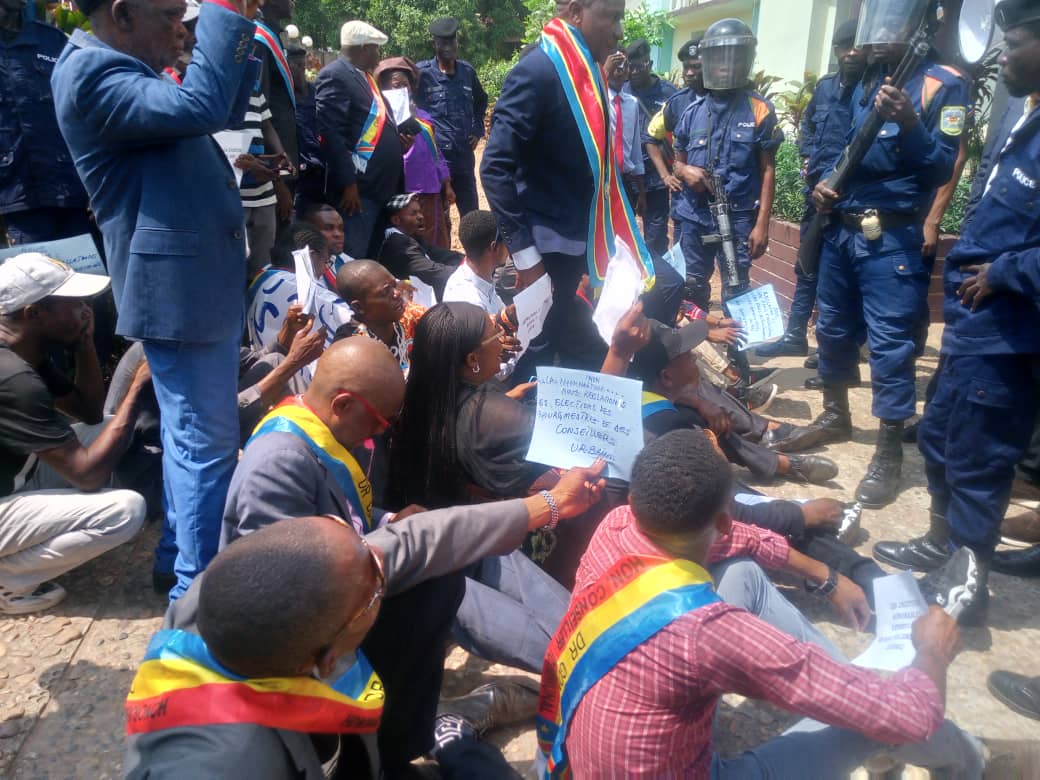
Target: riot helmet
(889, 21)
(727, 53)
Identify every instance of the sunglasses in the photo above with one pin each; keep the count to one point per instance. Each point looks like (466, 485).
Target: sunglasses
(384, 423)
(377, 569)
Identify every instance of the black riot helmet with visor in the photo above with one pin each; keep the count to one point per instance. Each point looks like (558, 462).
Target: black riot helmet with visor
(727, 52)
(889, 22)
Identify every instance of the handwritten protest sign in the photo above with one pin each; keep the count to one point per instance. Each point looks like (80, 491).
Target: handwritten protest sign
(532, 307)
(898, 603)
(582, 415)
(233, 143)
(79, 252)
(759, 312)
(621, 288)
(305, 282)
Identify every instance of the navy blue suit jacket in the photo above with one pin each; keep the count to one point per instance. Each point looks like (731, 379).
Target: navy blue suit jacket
(162, 190)
(535, 172)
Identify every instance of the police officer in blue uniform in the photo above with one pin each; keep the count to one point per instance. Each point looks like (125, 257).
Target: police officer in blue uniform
(821, 138)
(41, 197)
(978, 424)
(733, 132)
(873, 280)
(450, 92)
(652, 93)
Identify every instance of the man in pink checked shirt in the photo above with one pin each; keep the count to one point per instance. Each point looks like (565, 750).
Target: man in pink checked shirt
(651, 713)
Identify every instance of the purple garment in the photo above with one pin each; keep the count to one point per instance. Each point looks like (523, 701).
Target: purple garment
(421, 172)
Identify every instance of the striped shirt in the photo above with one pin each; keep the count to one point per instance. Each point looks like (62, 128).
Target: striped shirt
(254, 193)
(651, 715)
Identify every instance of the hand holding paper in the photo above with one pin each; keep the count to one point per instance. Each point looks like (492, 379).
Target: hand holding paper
(759, 314)
(532, 307)
(621, 288)
(305, 282)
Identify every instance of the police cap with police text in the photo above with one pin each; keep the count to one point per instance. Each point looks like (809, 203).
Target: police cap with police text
(689, 49)
(445, 27)
(1014, 13)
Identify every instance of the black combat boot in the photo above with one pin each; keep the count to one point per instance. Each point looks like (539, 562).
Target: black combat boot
(836, 420)
(791, 343)
(924, 553)
(881, 484)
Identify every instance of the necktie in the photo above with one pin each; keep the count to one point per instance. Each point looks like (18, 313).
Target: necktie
(619, 134)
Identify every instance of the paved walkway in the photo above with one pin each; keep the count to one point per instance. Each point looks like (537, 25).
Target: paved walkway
(63, 675)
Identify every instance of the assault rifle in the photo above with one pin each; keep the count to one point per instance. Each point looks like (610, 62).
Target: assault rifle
(853, 154)
(719, 206)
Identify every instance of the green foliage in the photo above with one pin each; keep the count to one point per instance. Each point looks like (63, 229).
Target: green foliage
(65, 19)
(641, 22)
(789, 202)
(763, 84)
(539, 12)
(791, 103)
(493, 74)
(488, 29)
(954, 216)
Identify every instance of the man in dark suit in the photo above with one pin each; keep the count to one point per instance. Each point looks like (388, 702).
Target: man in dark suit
(143, 148)
(363, 160)
(539, 184)
(404, 253)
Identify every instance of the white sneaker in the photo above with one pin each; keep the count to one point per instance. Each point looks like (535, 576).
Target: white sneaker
(45, 596)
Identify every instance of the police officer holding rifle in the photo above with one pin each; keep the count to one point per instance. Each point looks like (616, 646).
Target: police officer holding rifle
(873, 281)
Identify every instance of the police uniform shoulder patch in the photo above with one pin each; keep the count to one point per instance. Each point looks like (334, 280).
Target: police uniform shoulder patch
(951, 120)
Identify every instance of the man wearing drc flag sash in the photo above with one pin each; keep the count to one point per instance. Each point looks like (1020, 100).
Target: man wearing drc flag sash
(551, 178)
(633, 676)
(230, 687)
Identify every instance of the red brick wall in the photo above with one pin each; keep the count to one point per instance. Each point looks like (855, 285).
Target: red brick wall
(776, 266)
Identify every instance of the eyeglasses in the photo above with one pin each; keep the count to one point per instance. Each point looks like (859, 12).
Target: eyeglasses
(638, 65)
(383, 422)
(377, 566)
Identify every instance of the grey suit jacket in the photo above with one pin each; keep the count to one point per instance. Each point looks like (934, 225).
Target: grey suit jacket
(415, 549)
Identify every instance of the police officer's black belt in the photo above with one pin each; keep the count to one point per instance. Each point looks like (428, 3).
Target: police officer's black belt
(889, 220)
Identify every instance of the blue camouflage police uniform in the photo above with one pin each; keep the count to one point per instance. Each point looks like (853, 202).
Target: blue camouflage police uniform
(875, 289)
(41, 196)
(458, 104)
(743, 124)
(821, 139)
(977, 426)
(655, 215)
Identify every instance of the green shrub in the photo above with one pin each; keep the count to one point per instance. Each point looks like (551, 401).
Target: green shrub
(951, 221)
(789, 202)
(494, 74)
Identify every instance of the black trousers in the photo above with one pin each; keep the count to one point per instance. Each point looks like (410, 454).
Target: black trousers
(406, 647)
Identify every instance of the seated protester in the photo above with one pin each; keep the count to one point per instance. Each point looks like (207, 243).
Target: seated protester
(54, 514)
(462, 436)
(327, 220)
(302, 598)
(273, 292)
(381, 309)
(425, 169)
(297, 463)
(650, 705)
(673, 398)
(405, 252)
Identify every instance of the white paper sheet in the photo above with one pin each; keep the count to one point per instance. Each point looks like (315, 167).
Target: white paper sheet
(532, 307)
(424, 294)
(621, 289)
(583, 415)
(898, 603)
(79, 252)
(759, 312)
(233, 143)
(400, 104)
(305, 282)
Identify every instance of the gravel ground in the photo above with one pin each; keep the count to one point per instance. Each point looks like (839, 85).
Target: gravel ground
(64, 675)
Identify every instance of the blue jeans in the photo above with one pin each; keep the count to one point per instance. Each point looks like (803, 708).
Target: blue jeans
(976, 428)
(510, 611)
(196, 386)
(360, 227)
(872, 290)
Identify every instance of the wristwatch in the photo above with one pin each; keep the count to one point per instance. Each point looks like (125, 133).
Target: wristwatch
(825, 588)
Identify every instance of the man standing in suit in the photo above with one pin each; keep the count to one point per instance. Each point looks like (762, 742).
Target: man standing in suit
(549, 175)
(363, 154)
(143, 149)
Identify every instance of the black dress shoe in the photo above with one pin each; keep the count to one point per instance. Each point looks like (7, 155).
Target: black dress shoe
(792, 438)
(814, 469)
(1020, 693)
(813, 361)
(920, 554)
(1018, 563)
(814, 383)
(786, 345)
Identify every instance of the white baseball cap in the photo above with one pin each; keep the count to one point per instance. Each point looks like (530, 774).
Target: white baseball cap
(191, 12)
(358, 33)
(30, 277)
